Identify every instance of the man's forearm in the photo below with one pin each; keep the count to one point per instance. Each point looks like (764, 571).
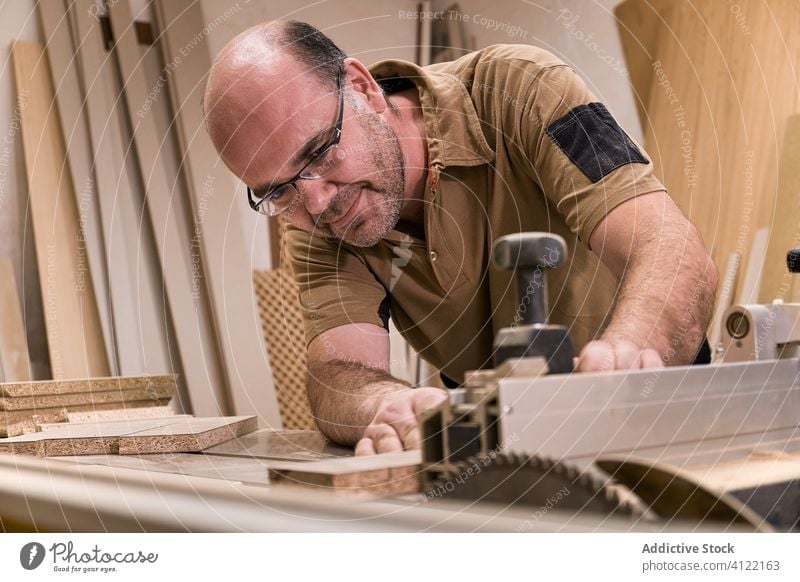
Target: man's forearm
(345, 396)
(666, 295)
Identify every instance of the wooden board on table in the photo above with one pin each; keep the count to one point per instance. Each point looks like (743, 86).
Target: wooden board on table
(14, 360)
(287, 445)
(386, 474)
(187, 435)
(228, 272)
(95, 397)
(132, 437)
(74, 334)
(55, 387)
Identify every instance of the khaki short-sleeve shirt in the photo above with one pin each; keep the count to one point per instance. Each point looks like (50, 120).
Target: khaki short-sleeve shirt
(516, 143)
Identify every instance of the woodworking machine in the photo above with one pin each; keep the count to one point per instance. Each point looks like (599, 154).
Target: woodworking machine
(712, 444)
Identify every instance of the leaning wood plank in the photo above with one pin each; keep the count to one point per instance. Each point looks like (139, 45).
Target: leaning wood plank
(204, 383)
(776, 281)
(121, 414)
(134, 279)
(224, 256)
(64, 74)
(188, 435)
(14, 361)
(387, 474)
(54, 387)
(74, 333)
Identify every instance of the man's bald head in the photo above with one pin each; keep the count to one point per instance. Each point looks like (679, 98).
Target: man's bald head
(260, 57)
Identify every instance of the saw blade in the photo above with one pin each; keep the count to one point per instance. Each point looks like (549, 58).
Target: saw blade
(533, 481)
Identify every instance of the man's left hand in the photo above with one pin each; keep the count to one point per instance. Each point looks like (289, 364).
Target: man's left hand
(602, 356)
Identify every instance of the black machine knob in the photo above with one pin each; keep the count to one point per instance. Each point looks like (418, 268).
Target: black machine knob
(530, 255)
(793, 260)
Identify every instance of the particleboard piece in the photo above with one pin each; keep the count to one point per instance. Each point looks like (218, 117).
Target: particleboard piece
(59, 414)
(14, 361)
(193, 332)
(86, 398)
(57, 387)
(132, 422)
(122, 414)
(188, 435)
(387, 474)
(282, 323)
(776, 280)
(74, 333)
(17, 428)
(64, 74)
(157, 435)
(227, 268)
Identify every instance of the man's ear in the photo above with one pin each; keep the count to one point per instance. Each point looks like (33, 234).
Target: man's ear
(363, 83)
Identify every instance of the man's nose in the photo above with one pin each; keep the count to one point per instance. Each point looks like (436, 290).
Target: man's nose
(317, 194)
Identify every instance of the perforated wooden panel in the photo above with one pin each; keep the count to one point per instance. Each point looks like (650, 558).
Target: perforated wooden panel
(283, 331)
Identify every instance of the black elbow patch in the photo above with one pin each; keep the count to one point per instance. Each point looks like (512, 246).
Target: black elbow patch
(591, 138)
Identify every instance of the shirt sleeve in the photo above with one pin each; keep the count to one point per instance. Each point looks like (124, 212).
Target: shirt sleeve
(584, 161)
(335, 286)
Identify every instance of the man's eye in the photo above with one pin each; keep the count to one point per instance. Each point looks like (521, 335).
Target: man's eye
(278, 193)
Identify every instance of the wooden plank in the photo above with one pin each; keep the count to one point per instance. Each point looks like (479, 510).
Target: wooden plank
(140, 328)
(223, 252)
(61, 413)
(101, 397)
(74, 332)
(14, 361)
(63, 71)
(158, 435)
(193, 332)
(387, 474)
(776, 281)
(287, 445)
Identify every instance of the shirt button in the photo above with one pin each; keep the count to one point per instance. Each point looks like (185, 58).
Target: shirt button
(434, 256)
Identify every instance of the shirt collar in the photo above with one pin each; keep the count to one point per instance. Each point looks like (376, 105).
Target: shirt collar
(452, 127)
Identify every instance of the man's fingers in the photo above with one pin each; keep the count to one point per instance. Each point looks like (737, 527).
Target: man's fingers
(627, 356)
(651, 359)
(384, 438)
(365, 447)
(596, 356)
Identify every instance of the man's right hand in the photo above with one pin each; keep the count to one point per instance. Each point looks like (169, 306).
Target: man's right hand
(394, 427)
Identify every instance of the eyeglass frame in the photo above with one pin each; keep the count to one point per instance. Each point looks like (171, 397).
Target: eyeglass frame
(255, 203)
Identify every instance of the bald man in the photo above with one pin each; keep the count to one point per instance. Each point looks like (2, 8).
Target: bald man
(396, 179)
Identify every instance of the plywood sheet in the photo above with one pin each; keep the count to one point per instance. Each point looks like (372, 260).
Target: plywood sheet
(74, 333)
(189, 435)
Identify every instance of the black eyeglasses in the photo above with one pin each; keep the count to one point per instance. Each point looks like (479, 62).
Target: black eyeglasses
(321, 163)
